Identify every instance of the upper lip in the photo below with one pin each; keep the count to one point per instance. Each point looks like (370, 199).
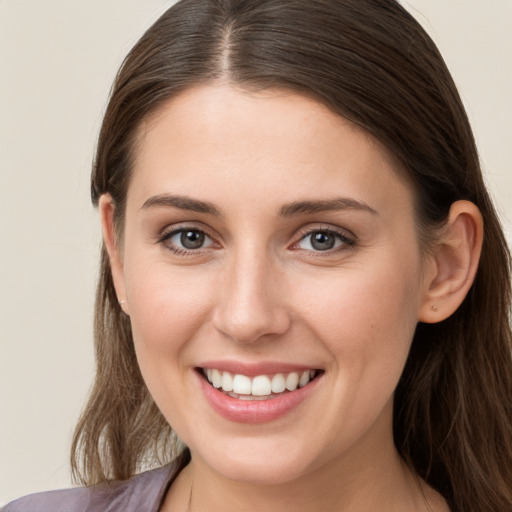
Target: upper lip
(253, 369)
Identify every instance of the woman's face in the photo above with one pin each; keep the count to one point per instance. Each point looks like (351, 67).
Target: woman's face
(268, 240)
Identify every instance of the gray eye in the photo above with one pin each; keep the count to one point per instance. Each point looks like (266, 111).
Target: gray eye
(189, 239)
(192, 239)
(321, 240)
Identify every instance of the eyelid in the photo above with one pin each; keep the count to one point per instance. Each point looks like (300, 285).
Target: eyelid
(167, 233)
(346, 236)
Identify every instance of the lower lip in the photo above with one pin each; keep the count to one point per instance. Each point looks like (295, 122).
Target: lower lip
(255, 411)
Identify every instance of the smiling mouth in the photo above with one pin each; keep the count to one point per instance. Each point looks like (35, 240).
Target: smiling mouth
(260, 387)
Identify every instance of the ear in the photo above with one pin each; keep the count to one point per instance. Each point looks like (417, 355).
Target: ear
(112, 245)
(453, 263)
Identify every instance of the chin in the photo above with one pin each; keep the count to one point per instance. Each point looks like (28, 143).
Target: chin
(259, 463)
(260, 472)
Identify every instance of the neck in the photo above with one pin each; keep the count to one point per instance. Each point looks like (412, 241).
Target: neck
(347, 485)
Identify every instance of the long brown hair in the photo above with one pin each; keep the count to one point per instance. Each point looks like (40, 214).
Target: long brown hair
(372, 63)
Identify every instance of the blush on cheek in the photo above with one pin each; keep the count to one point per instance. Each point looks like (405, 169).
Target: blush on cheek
(165, 306)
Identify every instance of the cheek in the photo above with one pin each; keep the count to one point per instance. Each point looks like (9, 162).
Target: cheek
(168, 312)
(366, 317)
(168, 305)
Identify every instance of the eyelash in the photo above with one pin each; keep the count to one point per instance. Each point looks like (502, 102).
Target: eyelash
(167, 235)
(347, 241)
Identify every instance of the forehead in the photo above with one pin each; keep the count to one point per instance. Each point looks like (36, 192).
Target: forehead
(256, 143)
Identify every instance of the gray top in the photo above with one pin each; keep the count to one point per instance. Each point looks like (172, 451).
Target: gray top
(142, 493)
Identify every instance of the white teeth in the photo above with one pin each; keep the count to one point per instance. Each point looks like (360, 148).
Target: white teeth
(227, 381)
(304, 378)
(292, 381)
(242, 385)
(245, 397)
(259, 387)
(278, 383)
(216, 379)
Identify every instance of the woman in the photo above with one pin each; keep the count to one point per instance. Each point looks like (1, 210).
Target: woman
(295, 278)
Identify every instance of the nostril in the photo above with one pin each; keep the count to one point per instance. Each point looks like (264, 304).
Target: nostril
(252, 324)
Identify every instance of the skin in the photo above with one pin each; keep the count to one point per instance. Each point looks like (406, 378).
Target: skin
(259, 291)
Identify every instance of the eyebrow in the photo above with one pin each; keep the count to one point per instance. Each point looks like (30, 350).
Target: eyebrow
(183, 203)
(288, 210)
(339, 203)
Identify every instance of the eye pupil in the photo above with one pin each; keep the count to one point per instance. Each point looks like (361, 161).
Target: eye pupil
(322, 240)
(192, 239)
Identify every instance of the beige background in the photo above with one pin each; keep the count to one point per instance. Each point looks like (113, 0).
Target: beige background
(57, 61)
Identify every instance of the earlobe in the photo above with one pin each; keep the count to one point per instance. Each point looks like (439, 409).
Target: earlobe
(110, 240)
(454, 262)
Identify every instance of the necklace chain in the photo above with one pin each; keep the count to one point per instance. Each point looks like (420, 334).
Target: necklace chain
(427, 504)
(189, 506)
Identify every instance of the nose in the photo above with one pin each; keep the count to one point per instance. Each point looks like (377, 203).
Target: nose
(251, 302)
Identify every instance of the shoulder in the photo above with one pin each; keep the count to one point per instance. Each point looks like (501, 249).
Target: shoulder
(144, 491)
(66, 500)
